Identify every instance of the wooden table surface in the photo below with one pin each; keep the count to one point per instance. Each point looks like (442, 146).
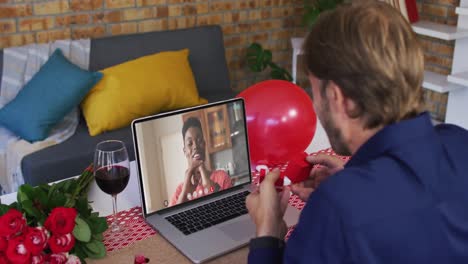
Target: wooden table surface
(159, 250)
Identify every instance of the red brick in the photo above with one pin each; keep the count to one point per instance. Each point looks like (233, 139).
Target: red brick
(86, 5)
(108, 17)
(229, 29)
(150, 2)
(202, 8)
(260, 37)
(51, 35)
(137, 13)
(189, 10)
(124, 28)
(175, 10)
(119, 3)
(282, 34)
(88, 32)
(8, 26)
(16, 40)
(181, 22)
(221, 6)
(50, 8)
(153, 25)
(179, 1)
(15, 11)
(210, 19)
(33, 24)
(72, 20)
(162, 11)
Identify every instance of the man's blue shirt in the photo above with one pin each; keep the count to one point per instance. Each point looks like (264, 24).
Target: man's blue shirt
(402, 198)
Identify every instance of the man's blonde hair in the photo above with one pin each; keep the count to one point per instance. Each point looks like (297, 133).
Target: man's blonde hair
(370, 51)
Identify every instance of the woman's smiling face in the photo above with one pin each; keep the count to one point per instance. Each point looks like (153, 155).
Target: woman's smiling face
(194, 144)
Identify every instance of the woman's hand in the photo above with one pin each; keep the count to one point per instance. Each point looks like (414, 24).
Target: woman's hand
(190, 182)
(328, 165)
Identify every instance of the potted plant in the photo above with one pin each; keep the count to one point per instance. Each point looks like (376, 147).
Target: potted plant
(313, 8)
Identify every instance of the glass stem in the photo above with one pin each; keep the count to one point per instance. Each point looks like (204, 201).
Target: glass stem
(115, 225)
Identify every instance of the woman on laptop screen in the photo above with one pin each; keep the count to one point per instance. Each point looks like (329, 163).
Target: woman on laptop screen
(198, 180)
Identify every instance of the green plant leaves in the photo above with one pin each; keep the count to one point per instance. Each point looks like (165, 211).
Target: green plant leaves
(95, 249)
(97, 224)
(314, 8)
(4, 209)
(82, 232)
(257, 57)
(310, 16)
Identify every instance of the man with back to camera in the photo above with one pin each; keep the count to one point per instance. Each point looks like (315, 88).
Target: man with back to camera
(403, 196)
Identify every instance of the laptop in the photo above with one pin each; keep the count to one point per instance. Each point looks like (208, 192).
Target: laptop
(194, 175)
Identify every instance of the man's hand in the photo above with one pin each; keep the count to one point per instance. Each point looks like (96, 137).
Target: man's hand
(329, 165)
(267, 207)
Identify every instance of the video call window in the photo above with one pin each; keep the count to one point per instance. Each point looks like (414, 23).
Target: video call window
(189, 155)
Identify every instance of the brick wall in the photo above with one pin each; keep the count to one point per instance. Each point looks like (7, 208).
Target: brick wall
(438, 53)
(269, 22)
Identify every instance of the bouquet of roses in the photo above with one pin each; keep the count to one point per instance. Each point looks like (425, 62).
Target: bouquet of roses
(52, 224)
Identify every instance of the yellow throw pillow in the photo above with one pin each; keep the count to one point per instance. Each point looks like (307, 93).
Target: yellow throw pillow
(141, 87)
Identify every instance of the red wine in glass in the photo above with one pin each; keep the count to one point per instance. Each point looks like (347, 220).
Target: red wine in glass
(111, 171)
(112, 179)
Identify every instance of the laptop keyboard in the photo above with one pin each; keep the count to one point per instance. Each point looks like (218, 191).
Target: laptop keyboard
(210, 214)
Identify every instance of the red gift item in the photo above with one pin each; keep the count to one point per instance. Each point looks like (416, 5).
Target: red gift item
(298, 168)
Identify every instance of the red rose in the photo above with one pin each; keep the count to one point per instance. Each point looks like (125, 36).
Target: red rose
(36, 239)
(61, 243)
(3, 244)
(61, 220)
(12, 223)
(3, 259)
(38, 259)
(17, 251)
(60, 258)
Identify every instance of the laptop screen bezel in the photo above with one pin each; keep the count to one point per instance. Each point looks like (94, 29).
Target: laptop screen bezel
(179, 112)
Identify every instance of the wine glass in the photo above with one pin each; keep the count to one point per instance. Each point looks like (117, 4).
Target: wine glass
(112, 171)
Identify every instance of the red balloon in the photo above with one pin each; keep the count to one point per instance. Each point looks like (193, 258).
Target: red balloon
(281, 121)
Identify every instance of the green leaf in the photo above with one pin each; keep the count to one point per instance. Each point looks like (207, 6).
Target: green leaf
(98, 237)
(3, 209)
(25, 192)
(30, 209)
(79, 250)
(57, 200)
(95, 249)
(310, 17)
(81, 232)
(82, 207)
(41, 196)
(257, 57)
(98, 224)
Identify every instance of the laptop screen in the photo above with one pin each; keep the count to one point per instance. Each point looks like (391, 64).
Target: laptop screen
(185, 155)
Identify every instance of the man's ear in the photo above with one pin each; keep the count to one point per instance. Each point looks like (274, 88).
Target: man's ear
(338, 101)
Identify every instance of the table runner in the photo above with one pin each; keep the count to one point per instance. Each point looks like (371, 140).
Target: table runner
(137, 229)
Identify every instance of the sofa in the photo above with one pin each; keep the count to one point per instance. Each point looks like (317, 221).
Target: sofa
(208, 62)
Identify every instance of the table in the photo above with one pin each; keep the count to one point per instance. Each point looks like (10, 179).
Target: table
(154, 247)
(158, 250)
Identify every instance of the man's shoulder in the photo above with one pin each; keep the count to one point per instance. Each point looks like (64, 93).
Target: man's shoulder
(452, 134)
(364, 193)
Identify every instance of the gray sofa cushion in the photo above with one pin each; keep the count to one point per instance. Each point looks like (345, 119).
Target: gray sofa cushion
(207, 59)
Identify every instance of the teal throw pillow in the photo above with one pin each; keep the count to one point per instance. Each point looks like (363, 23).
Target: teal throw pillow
(52, 93)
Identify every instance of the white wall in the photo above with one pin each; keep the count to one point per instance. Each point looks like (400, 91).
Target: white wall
(150, 134)
(320, 140)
